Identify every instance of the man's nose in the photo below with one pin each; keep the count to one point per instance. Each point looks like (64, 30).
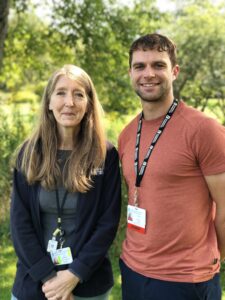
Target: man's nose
(149, 72)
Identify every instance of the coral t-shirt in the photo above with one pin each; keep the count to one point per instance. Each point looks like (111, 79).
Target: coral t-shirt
(180, 240)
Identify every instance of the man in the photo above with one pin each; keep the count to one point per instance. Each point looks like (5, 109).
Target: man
(173, 161)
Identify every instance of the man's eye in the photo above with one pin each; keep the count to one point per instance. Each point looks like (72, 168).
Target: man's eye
(160, 66)
(138, 67)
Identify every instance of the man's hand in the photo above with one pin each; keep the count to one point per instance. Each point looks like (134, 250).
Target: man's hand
(60, 286)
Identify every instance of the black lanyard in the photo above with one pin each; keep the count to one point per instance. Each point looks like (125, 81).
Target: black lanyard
(140, 173)
(60, 208)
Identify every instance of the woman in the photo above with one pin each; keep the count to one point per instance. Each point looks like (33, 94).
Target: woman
(65, 204)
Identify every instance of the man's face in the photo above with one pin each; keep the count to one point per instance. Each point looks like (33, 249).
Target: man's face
(152, 75)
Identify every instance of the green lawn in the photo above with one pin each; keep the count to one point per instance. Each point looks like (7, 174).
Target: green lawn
(7, 270)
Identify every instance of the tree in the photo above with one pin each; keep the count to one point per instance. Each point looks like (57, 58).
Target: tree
(4, 12)
(95, 35)
(100, 35)
(32, 52)
(201, 51)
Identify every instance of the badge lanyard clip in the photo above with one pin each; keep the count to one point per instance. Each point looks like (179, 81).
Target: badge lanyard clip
(55, 233)
(58, 236)
(135, 196)
(59, 231)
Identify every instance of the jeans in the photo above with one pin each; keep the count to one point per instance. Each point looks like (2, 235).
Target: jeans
(138, 287)
(100, 297)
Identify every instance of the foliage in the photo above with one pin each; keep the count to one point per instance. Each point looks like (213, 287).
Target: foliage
(4, 11)
(90, 34)
(201, 49)
(11, 134)
(96, 35)
(100, 35)
(31, 52)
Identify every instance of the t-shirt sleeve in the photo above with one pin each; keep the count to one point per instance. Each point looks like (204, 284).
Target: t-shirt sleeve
(209, 147)
(120, 139)
(127, 133)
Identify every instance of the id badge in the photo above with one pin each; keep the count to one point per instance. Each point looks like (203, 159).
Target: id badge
(52, 245)
(62, 256)
(136, 218)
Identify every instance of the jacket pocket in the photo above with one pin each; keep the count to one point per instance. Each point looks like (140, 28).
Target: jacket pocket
(24, 287)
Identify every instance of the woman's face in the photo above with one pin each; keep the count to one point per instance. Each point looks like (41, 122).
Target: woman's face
(68, 103)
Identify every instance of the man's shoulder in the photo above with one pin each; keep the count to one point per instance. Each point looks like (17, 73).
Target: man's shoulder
(193, 116)
(188, 110)
(127, 133)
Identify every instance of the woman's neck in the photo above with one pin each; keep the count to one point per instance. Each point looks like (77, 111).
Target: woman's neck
(67, 137)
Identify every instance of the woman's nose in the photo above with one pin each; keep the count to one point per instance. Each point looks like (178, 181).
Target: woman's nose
(69, 101)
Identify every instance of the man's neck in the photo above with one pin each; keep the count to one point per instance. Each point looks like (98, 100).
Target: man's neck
(154, 110)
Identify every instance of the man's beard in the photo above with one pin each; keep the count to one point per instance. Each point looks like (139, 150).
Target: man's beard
(160, 96)
(149, 99)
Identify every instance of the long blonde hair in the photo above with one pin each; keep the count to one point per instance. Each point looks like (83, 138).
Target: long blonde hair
(38, 159)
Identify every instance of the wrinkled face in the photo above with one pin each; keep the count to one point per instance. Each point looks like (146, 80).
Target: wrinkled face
(152, 75)
(68, 103)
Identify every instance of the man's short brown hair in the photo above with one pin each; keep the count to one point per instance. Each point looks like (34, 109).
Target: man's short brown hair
(154, 41)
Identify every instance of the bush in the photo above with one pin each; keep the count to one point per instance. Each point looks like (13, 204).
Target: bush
(13, 131)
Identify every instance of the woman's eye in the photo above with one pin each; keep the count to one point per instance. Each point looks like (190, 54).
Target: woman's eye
(79, 95)
(61, 93)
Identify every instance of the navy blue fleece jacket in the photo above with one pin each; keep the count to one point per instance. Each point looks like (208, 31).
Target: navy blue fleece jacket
(97, 222)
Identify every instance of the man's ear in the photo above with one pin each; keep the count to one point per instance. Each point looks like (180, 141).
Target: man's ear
(176, 71)
(129, 72)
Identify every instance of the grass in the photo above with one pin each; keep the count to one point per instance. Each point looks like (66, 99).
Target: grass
(8, 267)
(7, 255)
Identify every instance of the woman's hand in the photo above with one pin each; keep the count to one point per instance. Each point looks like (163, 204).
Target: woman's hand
(60, 286)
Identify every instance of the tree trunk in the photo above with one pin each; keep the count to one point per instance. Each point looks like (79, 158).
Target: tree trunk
(4, 12)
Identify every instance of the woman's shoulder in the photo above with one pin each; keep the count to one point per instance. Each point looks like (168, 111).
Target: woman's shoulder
(110, 147)
(111, 152)
(23, 152)
(18, 155)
